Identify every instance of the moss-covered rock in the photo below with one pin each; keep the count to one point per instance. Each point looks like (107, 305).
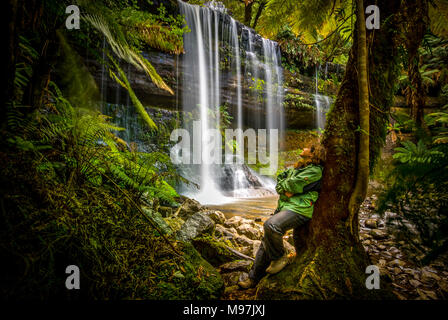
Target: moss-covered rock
(213, 251)
(196, 279)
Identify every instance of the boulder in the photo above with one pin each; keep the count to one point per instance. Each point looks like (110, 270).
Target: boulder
(157, 218)
(371, 223)
(221, 231)
(215, 252)
(243, 241)
(199, 223)
(232, 278)
(236, 221)
(378, 234)
(165, 211)
(249, 231)
(239, 265)
(188, 208)
(216, 216)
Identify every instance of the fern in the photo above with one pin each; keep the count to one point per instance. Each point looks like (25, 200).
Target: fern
(416, 154)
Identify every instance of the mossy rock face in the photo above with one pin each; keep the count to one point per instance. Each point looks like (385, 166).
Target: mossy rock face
(199, 281)
(213, 251)
(158, 219)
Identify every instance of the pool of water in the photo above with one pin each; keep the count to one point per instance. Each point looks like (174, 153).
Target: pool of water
(261, 207)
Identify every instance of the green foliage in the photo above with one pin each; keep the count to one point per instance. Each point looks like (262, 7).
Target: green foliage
(416, 154)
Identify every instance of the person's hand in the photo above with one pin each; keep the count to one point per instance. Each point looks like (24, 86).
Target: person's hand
(289, 194)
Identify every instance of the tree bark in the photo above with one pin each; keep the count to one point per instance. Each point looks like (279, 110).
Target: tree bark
(416, 26)
(10, 27)
(261, 6)
(248, 4)
(331, 262)
(362, 175)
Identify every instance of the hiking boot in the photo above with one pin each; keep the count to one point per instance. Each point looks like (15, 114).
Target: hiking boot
(277, 265)
(247, 284)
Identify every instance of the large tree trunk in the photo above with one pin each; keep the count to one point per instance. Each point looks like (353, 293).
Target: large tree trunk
(416, 25)
(362, 175)
(331, 262)
(248, 4)
(12, 10)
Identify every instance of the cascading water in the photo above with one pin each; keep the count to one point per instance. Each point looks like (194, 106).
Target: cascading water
(206, 85)
(322, 102)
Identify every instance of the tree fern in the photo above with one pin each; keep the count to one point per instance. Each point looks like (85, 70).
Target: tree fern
(123, 50)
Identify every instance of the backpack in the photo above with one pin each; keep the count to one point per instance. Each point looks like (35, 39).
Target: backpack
(314, 186)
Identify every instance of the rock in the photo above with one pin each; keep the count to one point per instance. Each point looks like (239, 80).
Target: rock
(378, 234)
(232, 278)
(382, 263)
(257, 220)
(428, 276)
(366, 242)
(382, 247)
(221, 231)
(397, 263)
(199, 223)
(188, 208)
(371, 223)
(209, 286)
(216, 216)
(247, 230)
(234, 222)
(427, 295)
(231, 289)
(247, 250)
(215, 252)
(415, 283)
(239, 265)
(243, 241)
(165, 211)
(158, 219)
(175, 223)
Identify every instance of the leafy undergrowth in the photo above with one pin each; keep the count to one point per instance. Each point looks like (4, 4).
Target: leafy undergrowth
(47, 225)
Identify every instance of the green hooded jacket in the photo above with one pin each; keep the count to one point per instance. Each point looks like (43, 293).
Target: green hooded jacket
(293, 181)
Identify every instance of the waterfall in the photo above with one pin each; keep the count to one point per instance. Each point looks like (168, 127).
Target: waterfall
(322, 102)
(213, 74)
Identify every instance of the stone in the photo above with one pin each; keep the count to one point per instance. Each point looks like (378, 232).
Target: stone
(381, 247)
(378, 234)
(221, 231)
(247, 230)
(415, 283)
(428, 276)
(239, 265)
(371, 223)
(426, 294)
(199, 223)
(243, 240)
(232, 278)
(247, 250)
(234, 222)
(382, 262)
(188, 208)
(397, 263)
(165, 211)
(216, 216)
